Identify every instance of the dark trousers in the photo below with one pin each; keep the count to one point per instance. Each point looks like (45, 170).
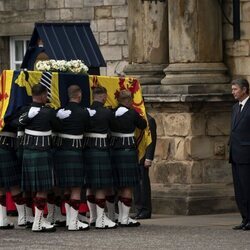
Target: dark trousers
(241, 178)
(142, 192)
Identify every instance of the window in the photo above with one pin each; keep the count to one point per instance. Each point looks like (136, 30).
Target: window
(18, 47)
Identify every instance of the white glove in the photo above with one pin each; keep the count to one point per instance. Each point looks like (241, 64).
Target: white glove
(92, 112)
(62, 113)
(33, 112)
(121, 111)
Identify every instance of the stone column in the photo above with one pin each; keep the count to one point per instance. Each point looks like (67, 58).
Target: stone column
(195, 43)
(192, 107)
(148, 35)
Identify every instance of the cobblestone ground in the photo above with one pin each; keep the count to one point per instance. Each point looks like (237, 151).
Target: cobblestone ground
(193, 232)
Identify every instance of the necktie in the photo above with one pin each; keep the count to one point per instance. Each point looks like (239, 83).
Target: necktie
(238, 112)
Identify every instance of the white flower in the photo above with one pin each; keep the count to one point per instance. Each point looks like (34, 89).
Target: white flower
(74, 66)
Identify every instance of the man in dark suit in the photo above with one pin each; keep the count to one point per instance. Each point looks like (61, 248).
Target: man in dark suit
(239, 146)
(142, 193)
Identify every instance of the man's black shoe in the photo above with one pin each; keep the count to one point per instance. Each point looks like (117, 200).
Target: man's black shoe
(246, 227)
(239, 227)
(143, 216)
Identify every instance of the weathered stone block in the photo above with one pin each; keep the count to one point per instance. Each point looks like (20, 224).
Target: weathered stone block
(92, 2)
(114, 2)
(200, 147)
(103, 38)
(239, 65)
(177, 124)
(198, 124)
(218, 123)
(96, 35)
(245, 12)
(237, 48)
(1, 5)
(125, 51)
(163, 148)
(119, 11)
(93, 25)
(178, 149)
(227, 31)
(173, 172)
(54, 4)
(73, 3)
(16, 29)
(102, 12)
(66, 14)
(9, 17)
(117, 38)
(52, 15)
(83, 13)
(33, 16)
(216, 171)
(16, 5)
(196, 173)
(245, 30)
(159, 117)
(36, 4)
(105, 25)
(120, 24)
(116, 68)
(111, 52)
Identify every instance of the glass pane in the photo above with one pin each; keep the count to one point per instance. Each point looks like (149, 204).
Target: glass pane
(18, 50)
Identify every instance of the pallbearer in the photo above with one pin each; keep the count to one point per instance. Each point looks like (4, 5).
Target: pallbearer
(68, 156)
(99, 176)
(10, 177)
(124, 154)
(37, 158)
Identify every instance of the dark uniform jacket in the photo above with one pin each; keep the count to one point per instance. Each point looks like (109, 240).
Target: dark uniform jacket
(44, 121)
(75, 124)
(125, 124)
(99, 124)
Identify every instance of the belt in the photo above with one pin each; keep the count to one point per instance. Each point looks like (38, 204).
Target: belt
(67, 136)
(8, 134)
(95, 135)
(122, 134)
(37, 133)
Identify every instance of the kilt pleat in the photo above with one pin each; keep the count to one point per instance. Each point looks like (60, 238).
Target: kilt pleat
(9, 172)
(126, 168)
(69, 168)
(37, 170)
(99, 173)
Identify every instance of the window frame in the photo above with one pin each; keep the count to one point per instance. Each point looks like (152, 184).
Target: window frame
(13, 61)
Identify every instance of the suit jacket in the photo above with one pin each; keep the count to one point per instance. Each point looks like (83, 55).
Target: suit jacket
(150, 151)
(239, 142)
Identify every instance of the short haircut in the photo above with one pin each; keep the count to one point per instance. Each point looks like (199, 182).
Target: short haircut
(73, 91)
(99, 90)
(242, 83)
(38, 90)
(124, 95)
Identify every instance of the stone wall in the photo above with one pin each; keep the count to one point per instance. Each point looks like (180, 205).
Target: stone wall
(191, 173)
(108, 20)
(237, 53)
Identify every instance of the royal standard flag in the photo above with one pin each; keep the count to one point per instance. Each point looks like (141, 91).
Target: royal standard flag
(15, 92)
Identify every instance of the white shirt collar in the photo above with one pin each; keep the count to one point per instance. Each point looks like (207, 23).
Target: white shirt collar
(243, 102)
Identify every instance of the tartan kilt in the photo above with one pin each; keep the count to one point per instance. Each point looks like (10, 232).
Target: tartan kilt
(126, 167)
(37, 170)
(69, 168)
(10, 175)
(99, 173)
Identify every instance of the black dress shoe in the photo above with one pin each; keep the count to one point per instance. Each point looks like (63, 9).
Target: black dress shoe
(239, 227)
(246, 227)
(143, 216)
